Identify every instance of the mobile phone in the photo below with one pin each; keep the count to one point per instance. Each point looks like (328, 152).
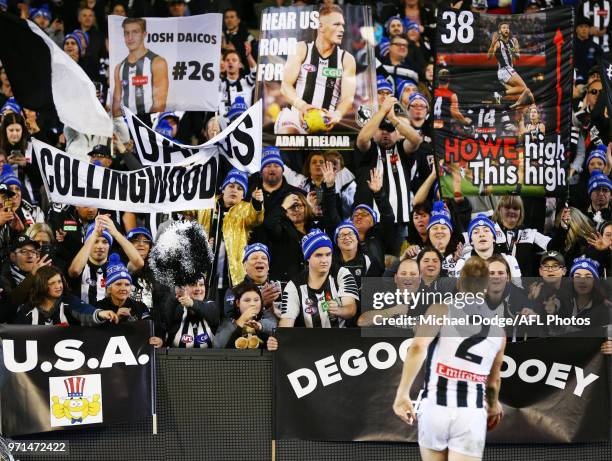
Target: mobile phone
(319, 192)
(8, 205)
(47, 250)
(16, 153)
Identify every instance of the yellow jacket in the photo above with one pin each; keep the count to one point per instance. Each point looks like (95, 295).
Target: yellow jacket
(237, 225)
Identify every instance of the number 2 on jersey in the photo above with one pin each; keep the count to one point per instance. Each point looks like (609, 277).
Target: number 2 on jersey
(463, 351)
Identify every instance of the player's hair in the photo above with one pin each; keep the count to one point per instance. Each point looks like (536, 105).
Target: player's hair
(329, 9)
(474, 276)
(502, 22)
(510, 201)
(443, 76)
(142, 22)
(497, 258)
(40, 284)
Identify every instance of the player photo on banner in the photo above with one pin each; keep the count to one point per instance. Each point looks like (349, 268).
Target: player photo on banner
(502, 102)
(162, 64)
(315, 75)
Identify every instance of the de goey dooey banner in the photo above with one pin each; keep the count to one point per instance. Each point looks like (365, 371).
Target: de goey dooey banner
(315, 75)
(502, 102)
(339, 385)
(240, 143)
(162, 64)
(189, 185)
(61, 378)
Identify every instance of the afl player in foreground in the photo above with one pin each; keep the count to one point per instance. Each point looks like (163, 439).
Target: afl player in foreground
(141, 79)
(320, 75)
(505, 48)
(462, 378)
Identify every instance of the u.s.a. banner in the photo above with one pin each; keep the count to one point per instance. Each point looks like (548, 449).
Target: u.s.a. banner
(58, 378)
(502, 102)
(315, 75)
(340, 384)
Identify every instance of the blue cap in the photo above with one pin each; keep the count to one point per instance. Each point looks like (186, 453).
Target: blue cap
(238, 108)
(116, 270)
(83, 37)
(440, 215)
(369, 209)
(238, 177)
(167, 114)
(139, 231)
(599, 153)
(598, 180)
(11, 104)
(416, 96)
(76, 39)
(383, 84)
(403, 84)
(42, 11)
(314, 240)
(105, 234)
(254, 248)
(394, 18)
(411, 25)
(3, 5)
(481, 220)
(346, 224)
(589, 264)
(271, 154)
(163, 127)
(9, 177)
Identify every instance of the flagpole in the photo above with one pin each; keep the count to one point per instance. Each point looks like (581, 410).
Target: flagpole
(153, 382)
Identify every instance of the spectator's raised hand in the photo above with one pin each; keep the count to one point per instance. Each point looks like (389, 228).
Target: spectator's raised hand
(186, 301)
(258, 195)
(388, 103)
(156, 342)
(6, 216)
(42, 262)
(272, 344)
(248, 48)
(375, 182)
(107, 223)
(270, 293)
(329, 174)
(108, 315)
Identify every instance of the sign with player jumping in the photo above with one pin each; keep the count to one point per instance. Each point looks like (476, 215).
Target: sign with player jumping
(160, 64)
(60, 378)
(340, 384)
(315, 75)
(502, 102)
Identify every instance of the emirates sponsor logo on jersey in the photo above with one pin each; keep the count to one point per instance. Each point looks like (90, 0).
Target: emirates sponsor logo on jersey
(140, 80)
(455, 373)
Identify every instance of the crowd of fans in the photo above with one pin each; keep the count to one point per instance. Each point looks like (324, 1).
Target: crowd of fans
(291, 245)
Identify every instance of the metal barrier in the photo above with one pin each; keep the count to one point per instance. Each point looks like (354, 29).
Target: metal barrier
(217, 406)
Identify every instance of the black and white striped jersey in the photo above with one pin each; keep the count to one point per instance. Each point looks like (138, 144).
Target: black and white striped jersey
(598, 13)
(458, 366)
(307, 306)
(90, 287)
(231, 89)
(319, 81)
(137, 83)
(503, 54)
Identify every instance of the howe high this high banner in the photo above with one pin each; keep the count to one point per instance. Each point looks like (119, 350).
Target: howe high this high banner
(160, 64)
(161, 189)
(315, 71)
(502, 102)
(56, 378)
(340, 384)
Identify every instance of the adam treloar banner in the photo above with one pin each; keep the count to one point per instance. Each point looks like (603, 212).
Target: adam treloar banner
(502, 101)
(315, 74)
(338, 385)
(57, 378)
(160, 64)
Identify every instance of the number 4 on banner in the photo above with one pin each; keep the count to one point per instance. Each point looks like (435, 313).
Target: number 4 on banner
(464, 33)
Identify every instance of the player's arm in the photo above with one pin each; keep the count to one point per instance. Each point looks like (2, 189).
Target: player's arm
(516, 50)
(494, 408)
(117, 89)
(456, 113)
(290, 76)
(347, 89)
(159, 70)
(415, 356)
(493, 47)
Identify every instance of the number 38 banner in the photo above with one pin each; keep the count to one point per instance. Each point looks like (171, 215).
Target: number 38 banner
(160, 64)
(502, 102)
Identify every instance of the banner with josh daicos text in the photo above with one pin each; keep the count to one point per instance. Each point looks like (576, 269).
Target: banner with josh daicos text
(315, 74)
(60, 378)
(161, 64)
(502, 102)
(339, 385)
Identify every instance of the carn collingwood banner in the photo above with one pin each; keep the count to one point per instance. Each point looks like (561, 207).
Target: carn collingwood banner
(190, 185)
(502, 102)
(315, 72)
(339, 385)
(160, 64)
(240, 143)
(57, 378)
